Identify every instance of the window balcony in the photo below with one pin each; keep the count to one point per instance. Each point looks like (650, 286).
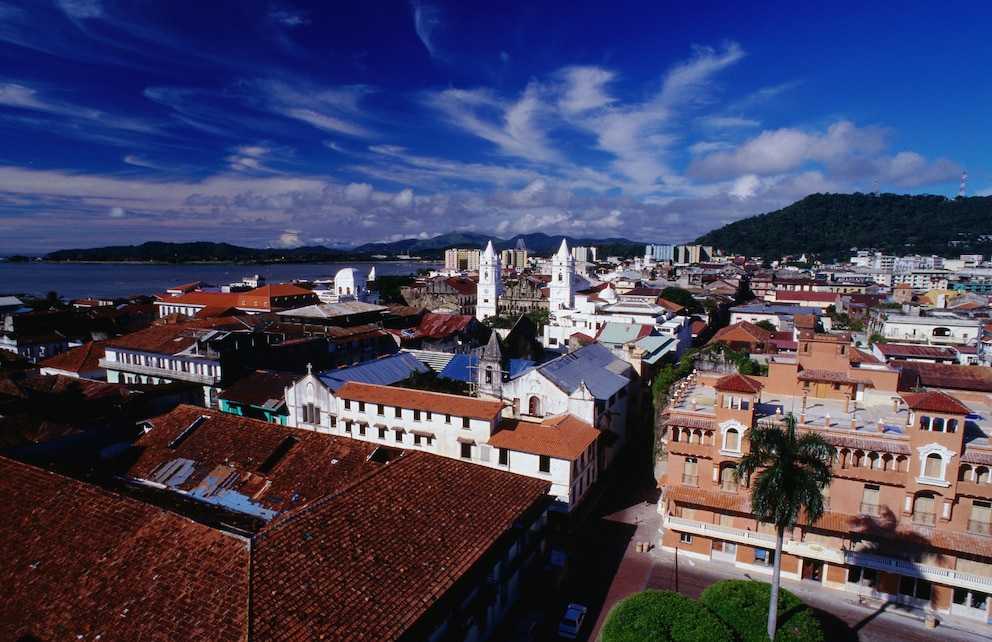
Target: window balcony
(690, 480)
(979, 526)
(927, 519)
(868, 508)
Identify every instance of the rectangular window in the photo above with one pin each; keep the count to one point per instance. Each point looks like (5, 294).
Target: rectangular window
(981, 514)
(361, 406)
(869, 499)
(382, 433)
(429, 415)
(504, 457)
(689, 474)
(347, 404)
(466, 451)
(416, 440)
(465, 422)
(447, 419)
(545, 464)
(398, 413)
(764, 557)
(416, 415)
(685, 538)
(399, 436)
(347, 427)
(863, 576)
(361, 429)
(381, 410)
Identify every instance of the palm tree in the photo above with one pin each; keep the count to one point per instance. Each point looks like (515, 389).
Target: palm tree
(792, 473)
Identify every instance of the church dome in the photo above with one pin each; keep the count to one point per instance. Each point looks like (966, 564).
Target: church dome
(349, 281)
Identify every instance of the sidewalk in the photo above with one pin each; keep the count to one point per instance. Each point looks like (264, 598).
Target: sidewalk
(871, 620)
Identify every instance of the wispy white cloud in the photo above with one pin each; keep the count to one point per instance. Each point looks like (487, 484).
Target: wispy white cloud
(427, 22)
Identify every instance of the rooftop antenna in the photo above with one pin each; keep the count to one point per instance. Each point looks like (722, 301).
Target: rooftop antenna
(964, 180)
(875, 193)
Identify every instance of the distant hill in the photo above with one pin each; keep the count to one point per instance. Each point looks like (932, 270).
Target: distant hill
(538, 243)
(830, 226)
(159, 252)
(432, 249)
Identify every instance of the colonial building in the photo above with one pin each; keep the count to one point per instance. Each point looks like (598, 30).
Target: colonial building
(908, 512)
(297, 535)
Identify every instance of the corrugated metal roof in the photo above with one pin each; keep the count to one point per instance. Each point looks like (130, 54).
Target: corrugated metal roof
(384, 372)
(593, 365)
(463, 367)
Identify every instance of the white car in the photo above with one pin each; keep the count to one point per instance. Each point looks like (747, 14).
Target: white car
(571, 622)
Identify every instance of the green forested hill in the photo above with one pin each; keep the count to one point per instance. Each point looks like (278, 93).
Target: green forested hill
(829, 226)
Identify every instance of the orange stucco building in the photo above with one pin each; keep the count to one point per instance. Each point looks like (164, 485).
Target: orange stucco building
(908, 511)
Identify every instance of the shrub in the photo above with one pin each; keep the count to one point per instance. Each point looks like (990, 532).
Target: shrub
(743, 606)
(662, 616)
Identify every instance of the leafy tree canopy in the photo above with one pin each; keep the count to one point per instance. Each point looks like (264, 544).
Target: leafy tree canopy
(828, 226)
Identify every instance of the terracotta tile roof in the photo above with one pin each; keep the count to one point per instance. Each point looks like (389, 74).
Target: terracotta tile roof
(82, 563)
(246, 465)
(692, 422)
(562, 437)
(463, 286)
(738, 383)
(372, 561)
(936, 401)
(261, 388)
(831, 376)
(172, 338)
(866, 444)
(972, 456)
(85, 358)
(754, 332)
(421, 400)
(945, 375)
(739, 502)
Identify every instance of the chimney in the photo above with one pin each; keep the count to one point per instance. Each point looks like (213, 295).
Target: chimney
(881, 426)
(826, 421)
(854, 423)
(694, 405)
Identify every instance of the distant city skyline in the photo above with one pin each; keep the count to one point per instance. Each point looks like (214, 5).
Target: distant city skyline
(285, 124)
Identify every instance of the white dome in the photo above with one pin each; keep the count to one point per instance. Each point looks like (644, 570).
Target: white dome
(349, 281)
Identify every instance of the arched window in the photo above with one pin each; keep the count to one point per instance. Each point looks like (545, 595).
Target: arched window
(964, 472)
(952, 425)
(982, 475)
(874, 461)
(925, 422)
(732, 440)
(534, 406)
(937, 425)
(859, 458)
(489, 375)
(933, 466)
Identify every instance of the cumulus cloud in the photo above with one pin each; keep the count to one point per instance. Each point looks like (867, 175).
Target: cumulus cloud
(117, 212)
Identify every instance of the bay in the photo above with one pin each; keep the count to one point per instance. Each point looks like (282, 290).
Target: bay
(74, 281)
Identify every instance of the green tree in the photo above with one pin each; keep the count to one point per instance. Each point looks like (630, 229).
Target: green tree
(765, 324)
(790, 473)
(681, 296)
(875, 338)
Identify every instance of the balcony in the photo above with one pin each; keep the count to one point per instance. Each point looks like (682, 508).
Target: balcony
(980, 526)
(690, 450)
(924, 518)
(160, 373)
(869, 509)
(690, 480)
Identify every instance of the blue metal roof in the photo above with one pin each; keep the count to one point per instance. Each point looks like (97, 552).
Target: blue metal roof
(601, 371)
(385, 371)
(462, 366)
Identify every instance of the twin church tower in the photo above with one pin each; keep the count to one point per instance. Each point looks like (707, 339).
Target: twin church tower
(561, 295)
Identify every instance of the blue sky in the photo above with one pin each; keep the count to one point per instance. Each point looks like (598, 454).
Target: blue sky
(336, 123)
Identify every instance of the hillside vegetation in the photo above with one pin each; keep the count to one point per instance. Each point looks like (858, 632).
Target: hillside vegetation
(829, 226)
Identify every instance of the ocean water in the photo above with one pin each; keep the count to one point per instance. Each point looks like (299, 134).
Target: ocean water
(74, 281)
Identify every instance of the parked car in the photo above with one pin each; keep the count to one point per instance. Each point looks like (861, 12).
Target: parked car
(571, 622)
